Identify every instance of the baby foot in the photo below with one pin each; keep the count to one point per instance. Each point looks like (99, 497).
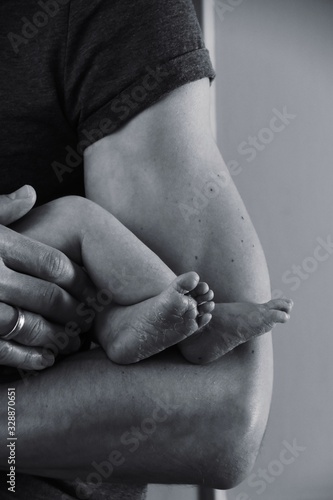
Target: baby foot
(250, 320)
(233, 324)
(137, 332)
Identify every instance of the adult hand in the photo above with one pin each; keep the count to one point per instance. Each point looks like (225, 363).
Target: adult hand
(47, 287)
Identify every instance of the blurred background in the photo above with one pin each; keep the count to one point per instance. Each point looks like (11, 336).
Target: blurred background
(274, 109)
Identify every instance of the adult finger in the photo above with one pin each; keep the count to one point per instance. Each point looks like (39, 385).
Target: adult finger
(36, 331)
(15, 205)
(31, 257)
(40, 297)
(25, 358)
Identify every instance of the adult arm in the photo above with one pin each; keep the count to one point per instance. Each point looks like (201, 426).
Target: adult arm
(158, 414)
(76, 412)
(156, 175)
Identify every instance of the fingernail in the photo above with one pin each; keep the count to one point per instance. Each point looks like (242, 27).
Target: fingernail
(22, 193)
(48, 359)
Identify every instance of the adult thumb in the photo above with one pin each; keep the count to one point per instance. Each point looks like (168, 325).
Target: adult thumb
(15, 205)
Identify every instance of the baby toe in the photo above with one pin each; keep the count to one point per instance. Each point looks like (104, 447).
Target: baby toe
(281, 304)
(279, 316)
(204, 320)
(206, 297)
(200, 289)
(186, 282)
(207, 307)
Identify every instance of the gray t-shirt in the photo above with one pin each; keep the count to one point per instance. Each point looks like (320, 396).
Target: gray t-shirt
(72, 72)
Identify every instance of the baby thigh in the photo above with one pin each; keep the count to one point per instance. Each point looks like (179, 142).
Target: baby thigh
(119, 261)
(58, 224)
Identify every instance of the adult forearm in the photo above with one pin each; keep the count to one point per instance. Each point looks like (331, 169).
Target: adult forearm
(152, 422)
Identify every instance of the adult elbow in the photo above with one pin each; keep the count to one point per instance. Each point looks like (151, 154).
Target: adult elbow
(236, 457)
(239, 420)
(237, 471)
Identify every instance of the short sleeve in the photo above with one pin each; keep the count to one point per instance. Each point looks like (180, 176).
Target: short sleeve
(124, 55)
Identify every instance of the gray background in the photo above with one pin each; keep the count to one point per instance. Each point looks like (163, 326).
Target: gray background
(270, 54)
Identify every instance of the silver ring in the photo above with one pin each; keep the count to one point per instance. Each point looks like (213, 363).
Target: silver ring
(18, 325)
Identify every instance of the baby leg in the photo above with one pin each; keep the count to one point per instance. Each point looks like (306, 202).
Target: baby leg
(162, 309)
